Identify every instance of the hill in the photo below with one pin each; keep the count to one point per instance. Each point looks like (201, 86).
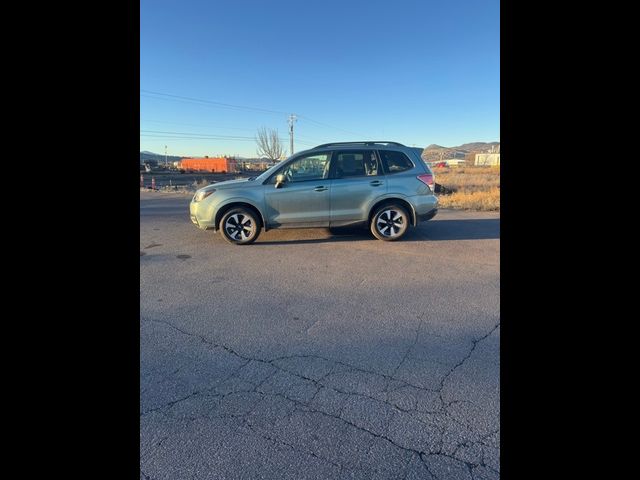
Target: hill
(146, 156)
(477, 146)
(437, 152)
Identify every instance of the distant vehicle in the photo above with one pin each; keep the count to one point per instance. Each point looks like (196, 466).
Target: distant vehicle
(384, 186)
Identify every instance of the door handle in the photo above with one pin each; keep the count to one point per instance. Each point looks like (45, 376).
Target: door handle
(376, 183)
(320, 188)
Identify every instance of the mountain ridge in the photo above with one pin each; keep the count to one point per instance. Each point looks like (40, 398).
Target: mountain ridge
(436, 152)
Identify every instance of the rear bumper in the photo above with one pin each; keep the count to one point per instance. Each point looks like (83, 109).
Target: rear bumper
(427, 216)
(425, 206)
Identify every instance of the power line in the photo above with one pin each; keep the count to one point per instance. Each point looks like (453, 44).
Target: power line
(200, 126)
(301, 142)
(211, 102)
(185, 137)
(329, 126)
(219, 138)
(160, 96)
(212, 136)
(197, 134)
(182, 137)
(201, 103)
(298, 136)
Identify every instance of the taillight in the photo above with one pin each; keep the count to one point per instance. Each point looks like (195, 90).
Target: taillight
(427, 179)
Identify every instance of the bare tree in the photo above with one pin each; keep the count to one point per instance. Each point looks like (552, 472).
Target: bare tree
(269, 144)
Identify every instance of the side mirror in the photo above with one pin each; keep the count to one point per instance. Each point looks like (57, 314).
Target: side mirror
(280, 179)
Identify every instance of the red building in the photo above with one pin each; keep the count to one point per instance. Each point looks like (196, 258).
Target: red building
(206, 164)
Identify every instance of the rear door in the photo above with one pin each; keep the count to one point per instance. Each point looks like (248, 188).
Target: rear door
(402, 173)
(357, 180)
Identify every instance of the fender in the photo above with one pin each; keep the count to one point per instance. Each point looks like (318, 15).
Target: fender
(391, 196)
(244, 200)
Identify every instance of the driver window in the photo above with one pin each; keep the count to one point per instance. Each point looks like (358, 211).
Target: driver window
(312, 167)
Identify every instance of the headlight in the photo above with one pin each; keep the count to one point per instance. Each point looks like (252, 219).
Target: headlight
(201, 195)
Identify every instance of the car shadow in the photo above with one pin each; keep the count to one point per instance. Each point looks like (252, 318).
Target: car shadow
(468, 229)
(434, 230)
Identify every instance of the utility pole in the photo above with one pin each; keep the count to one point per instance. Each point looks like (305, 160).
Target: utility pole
(292, 118)
(165, 156)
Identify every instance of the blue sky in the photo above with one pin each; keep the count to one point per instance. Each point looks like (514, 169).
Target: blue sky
(417, 72)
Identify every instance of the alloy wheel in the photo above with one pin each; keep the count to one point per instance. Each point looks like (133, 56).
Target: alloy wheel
(390, 223)
(239, 227)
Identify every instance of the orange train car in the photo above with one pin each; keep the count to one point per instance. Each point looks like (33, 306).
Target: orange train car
(206, 164)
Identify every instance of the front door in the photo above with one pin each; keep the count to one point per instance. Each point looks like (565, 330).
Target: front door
(303, 199)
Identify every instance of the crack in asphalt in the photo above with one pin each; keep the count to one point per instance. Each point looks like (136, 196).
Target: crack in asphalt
(317, 383)
(355, 368)
(411, 347)
(348, 422)
(262, 434)
(146, 477)
(193, 394)
(461, 362)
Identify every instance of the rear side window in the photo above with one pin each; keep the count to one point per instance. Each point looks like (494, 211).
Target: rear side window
(355, 163)
(395, 162)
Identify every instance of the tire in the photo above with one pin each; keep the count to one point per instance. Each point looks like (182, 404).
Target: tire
(390, 222)
(231, 230)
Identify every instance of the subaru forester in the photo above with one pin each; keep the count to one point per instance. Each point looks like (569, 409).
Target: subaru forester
(384, 186)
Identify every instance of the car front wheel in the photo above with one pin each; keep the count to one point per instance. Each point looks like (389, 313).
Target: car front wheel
(389, 222)
(240, 226)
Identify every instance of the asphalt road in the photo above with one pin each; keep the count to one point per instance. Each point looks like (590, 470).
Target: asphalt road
(309, 355)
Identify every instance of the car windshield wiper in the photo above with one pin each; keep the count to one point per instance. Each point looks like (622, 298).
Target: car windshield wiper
(251, 179)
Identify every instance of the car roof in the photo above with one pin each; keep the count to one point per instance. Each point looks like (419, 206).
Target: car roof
(378, 145)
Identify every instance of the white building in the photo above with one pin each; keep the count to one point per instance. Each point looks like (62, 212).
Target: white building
(487, 159)
(454, 162)
(449, 162)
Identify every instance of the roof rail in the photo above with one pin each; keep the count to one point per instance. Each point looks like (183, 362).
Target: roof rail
(368, 142)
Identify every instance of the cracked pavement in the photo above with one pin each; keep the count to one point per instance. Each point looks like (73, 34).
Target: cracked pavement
(314, 355)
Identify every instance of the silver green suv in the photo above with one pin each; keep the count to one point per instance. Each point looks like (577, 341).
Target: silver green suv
(384, 186)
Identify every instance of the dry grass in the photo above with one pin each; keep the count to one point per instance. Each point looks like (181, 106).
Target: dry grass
(488, 200)
(185, 191)
(200, 183)
(474, 188)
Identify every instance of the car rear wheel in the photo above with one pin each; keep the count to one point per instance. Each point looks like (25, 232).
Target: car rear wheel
(389, 222)
(240, 226)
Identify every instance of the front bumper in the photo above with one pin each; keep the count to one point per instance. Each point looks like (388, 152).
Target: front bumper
(198, 220)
